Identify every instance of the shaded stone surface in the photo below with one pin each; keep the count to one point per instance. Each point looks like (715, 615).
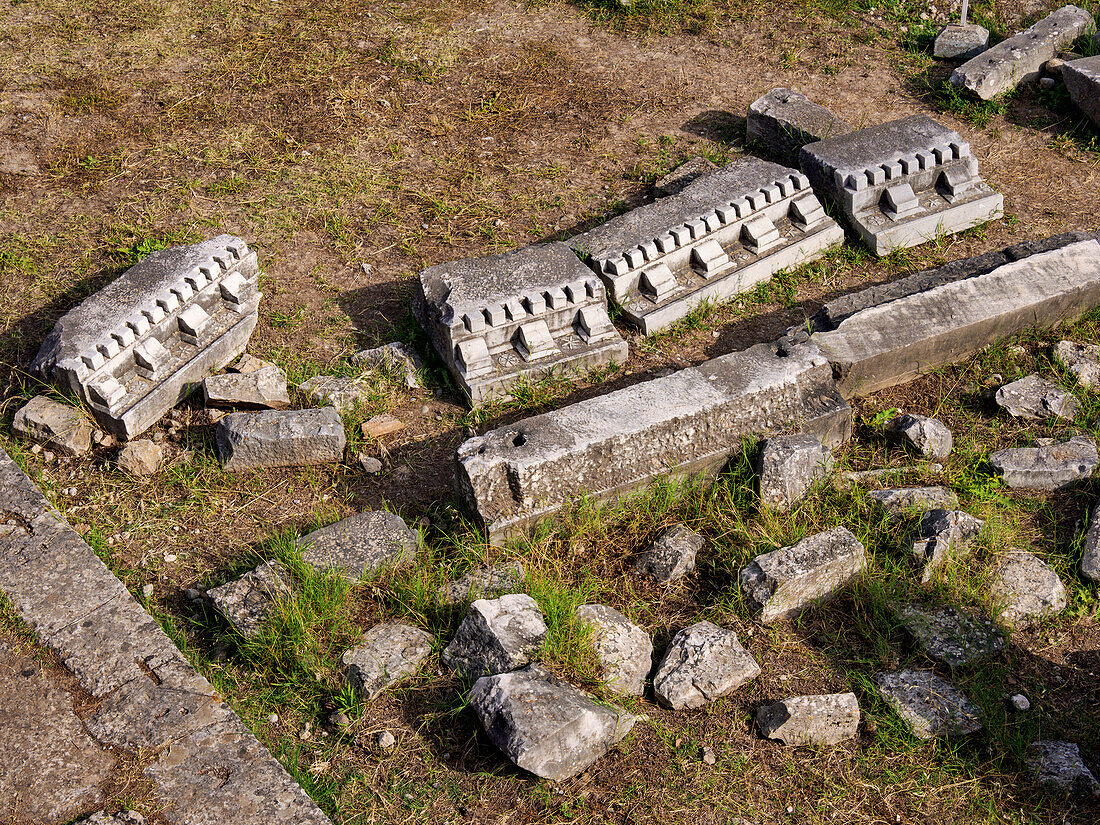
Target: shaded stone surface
(782, 583)
(928, 436)
(958, 42)
(386, 654)
(1047, 467)
(1035, 398)
(788, 466)
(141, 457)
(484, 582)
(1082, 79)
(898, 501)
(948, 635)
(262, 388)
(624, 650)
(361, 544)
(1023, 588)
(702, 663)
(57, 425)
(1090, 547)
(675, 181)
(396, 359)
(811, 720)
(280, 438)
(1083, 360)
(338, 391)
(672, 554)
(783, 121)
(1059, 767)
(546, 726)
(247, 602)
(496, 636)
(943, 535)
(930, 705)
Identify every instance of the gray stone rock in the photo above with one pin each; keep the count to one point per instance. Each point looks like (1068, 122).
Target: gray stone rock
(496, 636)
(811, 720)
(788, 466)
(280, 438)
(484, 582)
(702, 663)
(960, 42)
(362, 544)
(60, 426)
(1035, 398)
(546, 726)
(1047, 467)
(943, 535)
(901, 501)
(783, 121)
(247, 602)
(1059, 767)
(395, 359)
(1090, 547)
(263, 388)
(675, 181)
(1082, 79)
(1019, 702)
(343, 393)
(1023, 588)
(386, 654)
(930, 705)
(672, 554)
(134, 349)
(928, 436)
(249, 363)
(141, 457)
(948, 635)
(1083, 360)
(120, 818)
(687, 422)
(782, 583)
(1019, 59)
(624, 650)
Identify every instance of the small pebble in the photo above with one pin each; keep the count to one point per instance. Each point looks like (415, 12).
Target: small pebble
(370, 464)
(273, 718)
(708, 756)
(36, 448)
(171, 557)
(147, 591)
(1047, 82)
(385, 740)
(192, 594)
(339, 720)
(1020, 702)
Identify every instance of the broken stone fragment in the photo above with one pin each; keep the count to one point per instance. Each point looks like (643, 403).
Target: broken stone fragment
(381, 425)
(338, 391)
(672, 554)
(948, 635)
(496, 636)
(264, 388)
(280, 438)
(928, 436)
(546, 726)
(1035, 398)
(1083, 360)
(788, 466)
(1047, 467)
(141, 457)
(1059, 767)
(386, 654)
(483, 582)
(930, 705)
(901, 501)
(1023, 588)
(248, 601)
(783, 121)
(959, 42)
(675, 181)
(782, 583)
(811, 720)
(702, 663)
(624, 650)
(941, 535)
(60, 426)
(1090, 549)
(249, 363)
(361, 545)
(396, 359)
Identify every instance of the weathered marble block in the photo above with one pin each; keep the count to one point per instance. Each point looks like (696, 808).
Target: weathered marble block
(811, 720)
(783, 121)
(1082, 79)
(721, 235)
(138, 346)
(524, 314)
(902, 183)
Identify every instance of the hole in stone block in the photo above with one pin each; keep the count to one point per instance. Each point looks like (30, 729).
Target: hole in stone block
(518, 440)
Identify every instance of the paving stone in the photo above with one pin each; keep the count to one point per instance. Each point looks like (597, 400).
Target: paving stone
(782, 583)
(674, 182)
(396, 359)
(720, 236)
(1036, 398)
(1059, 767)
(1083, 360)
(1019, 59)
(341, 392)
(484, 582)
(263, 388)
(960, 42)
(811, 720)
(280, 438)
(943, 535)
(930, 705)
(902, 183)
(247, 602)
(1023, 588)
(386, 654)
(1090, 547)
(1082, 79)
(520, 314)
(688, 422)
(672, 554)
(788, 466)
(901, 501)
(141, 457)
(546, 726)
(951, 636)
(928, 436)
(362, 544)
(783, 121)
(624, 650)
(496, 636)
(1047, 467)
(893, 342)
(702, 663)
(60, 426)
(137, 347)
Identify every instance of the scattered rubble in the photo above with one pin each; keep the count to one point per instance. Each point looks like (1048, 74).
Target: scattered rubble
(1036, 398)
(396, 359)
(60, 426)
(1090, 547)
(260, 388)
(1049, 466)
(624, 650)
(1024, 588)
(361, 545)
(1083, 360)
(280, 438)
(930, 705)
(386, 654)
(496, 636)
(672, 554)
(343, 393)
(928, 436)
(788, 466)
(901, 501)
(942, 535)
(948, 635)
(1059, 767)
(484, 583)
(141, 457)
(248, 601)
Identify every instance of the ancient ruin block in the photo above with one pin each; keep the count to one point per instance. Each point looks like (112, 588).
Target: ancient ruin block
(783, 121)
(520, 314)
(1082, 79)
(722, 234)
(135, 348)
(687, 422)
(902, 183)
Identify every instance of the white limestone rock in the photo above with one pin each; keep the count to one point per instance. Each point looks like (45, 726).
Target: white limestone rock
(702, 663)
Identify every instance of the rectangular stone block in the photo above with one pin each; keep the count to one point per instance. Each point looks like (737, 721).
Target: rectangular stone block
(721, 235)
(783, 121)
(687, 422)
(902, 183)
(134, 349)
(522, 314)
(895, 341)
(1082, 79)
(280, 438)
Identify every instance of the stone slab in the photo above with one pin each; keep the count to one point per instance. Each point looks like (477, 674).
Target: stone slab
(930, 705)
(280, 438)
(362, 544)
(783, 121)
(902, 501)
(395, 359)
(263, 388)
(1090, 547)
(960, 42)
(484, 583)
(949, 635)
(386, 654)
(942, 536)
(1023, 588)
(688, 422)
(1082, 79)
(788, 466)
(702, 663)
(1051, 466)
(624, 650)
(496, 635)
(1082, 360)
(827, 719)
(1059, 767)
(246, 602)
(60, 426)
(1035, 398)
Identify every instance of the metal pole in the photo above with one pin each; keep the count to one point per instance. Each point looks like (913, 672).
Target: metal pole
(965, 9)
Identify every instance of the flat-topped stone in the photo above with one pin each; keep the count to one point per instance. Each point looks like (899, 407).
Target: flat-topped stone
(385, 654)
(783, 121)
(280, 438)
(928, 436)
(788, 466)
(948, 635)
(340, 391)
(60, 426)
(362, 544)
(702, 663)
(263, 388)
(1083, 360)
(496, 635)
(1059, 767)
(484, 583)
(943, 535)
(960, 42)
(140, 457)
(1082, 79)
(827, 719)
(901, 501)
(1049, 466)
(1036, 398)
(248, 601)
(930, 705)
(1024, 588)
(672, 554)
(624, 650)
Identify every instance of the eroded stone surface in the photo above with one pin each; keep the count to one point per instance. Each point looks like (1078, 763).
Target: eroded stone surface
(672, 554)
(702, 663)
(900, 501)
(928, 436)
(141, 457)
(57, 425)
(625, 650)
(811, 720)
(943, 535)
(788, 466)
(1047, 467)
(930, 705)
(339, 391)
(280, 438)
(362, 544)
(120, 818)
(261, 388)
(1082, 79)
(1023, 588)
(1090, 547)
(1059, 766)
(1035, 398)
(675, 181)
(386, 654)
(247, 602)
(484, 582)
(396, 359)
(959, 42)
(496, 636)
(1083, 360)
(948, 635)
(783, 121)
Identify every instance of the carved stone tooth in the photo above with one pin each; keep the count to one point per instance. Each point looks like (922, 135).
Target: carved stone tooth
(657, 283)
(474, 322)
(533, 341)
(708, 258)
(634, 257)
(472, 356)
(194, 325)
(759, 234)
(650, 251)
